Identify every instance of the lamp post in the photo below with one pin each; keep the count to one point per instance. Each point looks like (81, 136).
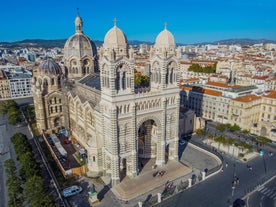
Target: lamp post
(262, 155)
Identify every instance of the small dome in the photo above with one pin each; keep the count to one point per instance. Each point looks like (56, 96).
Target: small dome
(115, 38)
(165, 39)
(49, 67)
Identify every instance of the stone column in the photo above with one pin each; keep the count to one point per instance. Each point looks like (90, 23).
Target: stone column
(159, 197)
(103, 160)
(175, 152)
(115, 161)
(133, 158)
(39, 109)
(161, 141)
(203, 175)
(190, 182)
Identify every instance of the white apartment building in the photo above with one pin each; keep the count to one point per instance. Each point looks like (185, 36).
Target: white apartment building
(19, 80)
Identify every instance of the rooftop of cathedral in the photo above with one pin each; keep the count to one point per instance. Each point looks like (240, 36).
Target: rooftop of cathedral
(92, 80)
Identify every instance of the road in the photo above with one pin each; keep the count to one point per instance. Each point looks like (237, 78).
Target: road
(265, 196)
(217, 190)
(7, 152)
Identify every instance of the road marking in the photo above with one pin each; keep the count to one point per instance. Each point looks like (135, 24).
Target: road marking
(264, 189)
(270, 193)
(260, 188)
(273, 195)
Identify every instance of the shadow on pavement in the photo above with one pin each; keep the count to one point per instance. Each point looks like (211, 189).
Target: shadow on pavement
(102, 193)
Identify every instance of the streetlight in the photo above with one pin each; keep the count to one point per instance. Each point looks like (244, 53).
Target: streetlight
(262, 155)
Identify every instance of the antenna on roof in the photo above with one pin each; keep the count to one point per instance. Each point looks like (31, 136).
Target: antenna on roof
(78, 11)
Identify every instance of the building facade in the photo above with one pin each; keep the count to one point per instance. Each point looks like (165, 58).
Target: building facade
(117, 122)
(15, 82)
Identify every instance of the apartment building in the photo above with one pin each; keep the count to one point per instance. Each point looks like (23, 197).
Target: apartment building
(15, 82)
(4, 86)
(233, 105)
(244, 111)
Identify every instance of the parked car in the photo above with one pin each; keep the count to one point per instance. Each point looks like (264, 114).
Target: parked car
(67, 141)
(72, 190)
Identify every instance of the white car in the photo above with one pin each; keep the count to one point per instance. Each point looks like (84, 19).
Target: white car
(72, 190)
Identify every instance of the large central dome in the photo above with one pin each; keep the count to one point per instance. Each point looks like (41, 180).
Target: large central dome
(79, 45)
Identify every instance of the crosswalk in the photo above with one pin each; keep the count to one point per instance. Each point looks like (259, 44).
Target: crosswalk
(268, 192)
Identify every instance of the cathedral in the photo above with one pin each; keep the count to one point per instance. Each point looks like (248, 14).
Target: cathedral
(95, 97)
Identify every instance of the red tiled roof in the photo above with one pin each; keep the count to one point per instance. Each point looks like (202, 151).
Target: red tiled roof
(247, 98)
(202, 90)
(222, 85)
(272, 94)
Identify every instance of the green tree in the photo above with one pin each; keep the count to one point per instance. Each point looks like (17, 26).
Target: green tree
(221, 127)
(29, 166)
(200, 132)
(35, 192)
(14, 185)
(4, 107)
(10, 167)
(141, 80)
(235, 127)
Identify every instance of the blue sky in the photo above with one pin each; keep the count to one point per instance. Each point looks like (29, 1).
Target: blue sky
(189, 21)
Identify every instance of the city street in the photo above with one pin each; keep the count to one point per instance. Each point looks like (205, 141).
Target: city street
(218, 190)
(7, 152)
(264, 196)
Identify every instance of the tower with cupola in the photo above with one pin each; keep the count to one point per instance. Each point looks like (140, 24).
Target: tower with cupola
(80, 53)
(48, 96)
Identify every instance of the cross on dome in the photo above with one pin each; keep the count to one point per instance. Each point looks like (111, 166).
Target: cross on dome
(165, 25)
(115, 21)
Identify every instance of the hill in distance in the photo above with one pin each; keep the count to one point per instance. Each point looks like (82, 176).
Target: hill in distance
(60, 43)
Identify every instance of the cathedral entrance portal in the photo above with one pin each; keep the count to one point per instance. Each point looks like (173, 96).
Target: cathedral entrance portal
(147, 142)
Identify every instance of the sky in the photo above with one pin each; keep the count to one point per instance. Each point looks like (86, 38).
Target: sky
(190, 21)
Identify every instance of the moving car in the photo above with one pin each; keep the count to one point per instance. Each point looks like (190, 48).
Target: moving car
(72, 190)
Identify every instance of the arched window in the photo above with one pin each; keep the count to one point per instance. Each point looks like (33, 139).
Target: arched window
(117, 80)
(124, 80)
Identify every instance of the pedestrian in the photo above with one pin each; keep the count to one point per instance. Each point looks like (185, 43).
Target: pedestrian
(226, 164)
(222, 171)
